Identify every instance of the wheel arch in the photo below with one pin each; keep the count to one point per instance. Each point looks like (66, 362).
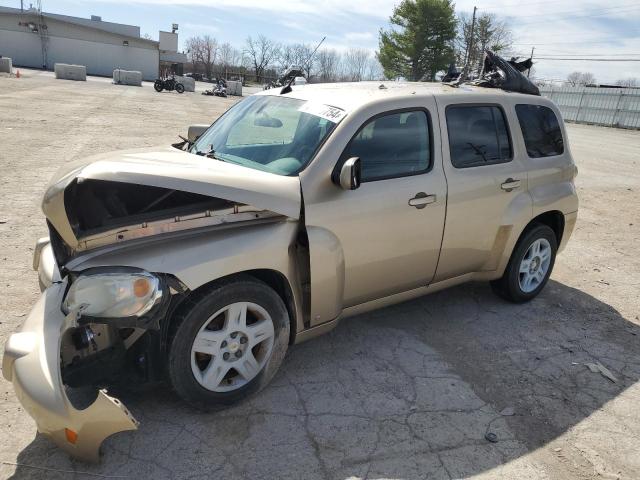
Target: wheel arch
(554, 219)
(273, 278)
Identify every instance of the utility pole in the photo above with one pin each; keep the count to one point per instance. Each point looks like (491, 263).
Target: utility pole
(529, 71)
(465, 70)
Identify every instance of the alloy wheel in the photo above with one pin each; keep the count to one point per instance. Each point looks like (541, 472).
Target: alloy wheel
(534, 265)
(232, 347)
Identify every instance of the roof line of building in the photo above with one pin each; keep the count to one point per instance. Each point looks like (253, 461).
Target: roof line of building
(67, 19)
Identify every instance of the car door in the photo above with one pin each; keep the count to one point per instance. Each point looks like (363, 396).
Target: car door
(389, 230)
(487, 182)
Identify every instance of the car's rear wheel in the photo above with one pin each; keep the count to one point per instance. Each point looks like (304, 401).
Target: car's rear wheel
(530, 265)
(229, 344)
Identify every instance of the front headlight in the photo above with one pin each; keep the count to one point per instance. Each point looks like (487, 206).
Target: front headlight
(115, 294)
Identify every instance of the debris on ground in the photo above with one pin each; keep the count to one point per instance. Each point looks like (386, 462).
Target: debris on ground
(604, 371)
(491, 437)
(508, 412)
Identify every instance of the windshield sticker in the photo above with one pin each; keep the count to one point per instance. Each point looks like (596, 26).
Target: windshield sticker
(333, 114)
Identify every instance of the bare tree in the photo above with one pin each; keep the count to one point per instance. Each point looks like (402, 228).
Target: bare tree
(285, 57)
(261, 52)
(492, 34)
(228, 56)
(302, 54)
(629, 82)
(355, 62)
(328, 65)
(203, 51)
(488, 33)
(374, 69)
(578, 79)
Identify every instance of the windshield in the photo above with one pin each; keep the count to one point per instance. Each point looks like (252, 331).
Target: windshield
(275, 134)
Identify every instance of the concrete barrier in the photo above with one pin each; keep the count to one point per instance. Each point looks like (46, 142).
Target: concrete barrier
(127, 77)
(188, 82)
(234, 88)
(70, 72)
(5, 65)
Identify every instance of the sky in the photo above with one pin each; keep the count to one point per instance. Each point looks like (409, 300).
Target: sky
(560, 28)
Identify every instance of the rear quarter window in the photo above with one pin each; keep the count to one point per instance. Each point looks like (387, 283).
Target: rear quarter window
(541, 130)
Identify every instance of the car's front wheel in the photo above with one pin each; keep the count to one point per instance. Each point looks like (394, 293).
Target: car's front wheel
(229, 344)
(530, 265)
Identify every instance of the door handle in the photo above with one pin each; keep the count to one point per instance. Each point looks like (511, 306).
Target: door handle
(421, 200)
(510, 184)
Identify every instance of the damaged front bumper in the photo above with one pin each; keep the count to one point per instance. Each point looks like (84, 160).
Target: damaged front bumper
(32, 363)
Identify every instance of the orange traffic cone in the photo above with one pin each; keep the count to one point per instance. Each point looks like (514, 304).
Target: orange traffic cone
(18, 73)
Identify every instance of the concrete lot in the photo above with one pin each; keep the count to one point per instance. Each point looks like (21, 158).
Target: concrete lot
(406, 392)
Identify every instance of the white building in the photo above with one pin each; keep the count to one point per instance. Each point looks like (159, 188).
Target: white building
(39, 40)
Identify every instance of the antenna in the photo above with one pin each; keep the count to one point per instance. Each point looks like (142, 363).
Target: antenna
(314, 52)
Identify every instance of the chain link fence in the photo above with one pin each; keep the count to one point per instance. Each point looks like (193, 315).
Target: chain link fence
(611, 107)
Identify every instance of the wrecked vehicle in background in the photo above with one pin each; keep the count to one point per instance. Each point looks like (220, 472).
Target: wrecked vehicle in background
(200, 263)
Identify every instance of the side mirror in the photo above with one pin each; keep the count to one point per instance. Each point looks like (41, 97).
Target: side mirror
(195, 131)
(350, 174)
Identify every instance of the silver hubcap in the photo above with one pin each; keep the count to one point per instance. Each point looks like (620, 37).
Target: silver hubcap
(232, 347)
(535, 265)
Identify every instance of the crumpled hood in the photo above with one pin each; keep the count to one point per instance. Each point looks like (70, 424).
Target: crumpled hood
(168, 167)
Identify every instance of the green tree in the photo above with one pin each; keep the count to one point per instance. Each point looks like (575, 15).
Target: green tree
(420, 40)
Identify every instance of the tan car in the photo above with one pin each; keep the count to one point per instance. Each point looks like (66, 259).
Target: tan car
(200, 263)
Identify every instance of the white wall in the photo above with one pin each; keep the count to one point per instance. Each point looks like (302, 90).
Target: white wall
(99, 58)
(168, 41)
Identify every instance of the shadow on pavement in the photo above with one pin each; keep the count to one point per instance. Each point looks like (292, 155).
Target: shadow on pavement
(405, 392)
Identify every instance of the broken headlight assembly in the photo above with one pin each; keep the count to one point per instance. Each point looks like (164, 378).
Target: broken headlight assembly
(120, 293)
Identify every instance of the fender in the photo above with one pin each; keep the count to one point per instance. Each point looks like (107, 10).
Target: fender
(516, 217)
(327, 274)
(197, 258)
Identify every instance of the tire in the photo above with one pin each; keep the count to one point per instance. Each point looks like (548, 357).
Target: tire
(158, 86)
(179, 88)
(520, 283)
(200, 378)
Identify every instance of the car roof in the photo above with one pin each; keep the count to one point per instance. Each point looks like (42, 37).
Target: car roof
(351, 95)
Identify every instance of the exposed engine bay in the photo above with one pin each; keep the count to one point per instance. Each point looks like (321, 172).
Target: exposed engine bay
(97, 205)
(105, 212)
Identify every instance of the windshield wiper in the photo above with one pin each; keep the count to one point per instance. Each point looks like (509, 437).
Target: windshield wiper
(211, 153)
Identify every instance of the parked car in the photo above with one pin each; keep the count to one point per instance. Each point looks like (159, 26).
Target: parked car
(202, 262)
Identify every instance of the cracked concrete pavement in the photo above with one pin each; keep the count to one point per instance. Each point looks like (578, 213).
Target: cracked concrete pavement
(405, 392)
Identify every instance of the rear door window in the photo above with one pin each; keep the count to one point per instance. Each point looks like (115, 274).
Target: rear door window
(478, 135)
(541, 130)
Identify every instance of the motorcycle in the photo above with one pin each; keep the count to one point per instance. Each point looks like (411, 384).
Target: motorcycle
(220, 90)
(168, 84)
